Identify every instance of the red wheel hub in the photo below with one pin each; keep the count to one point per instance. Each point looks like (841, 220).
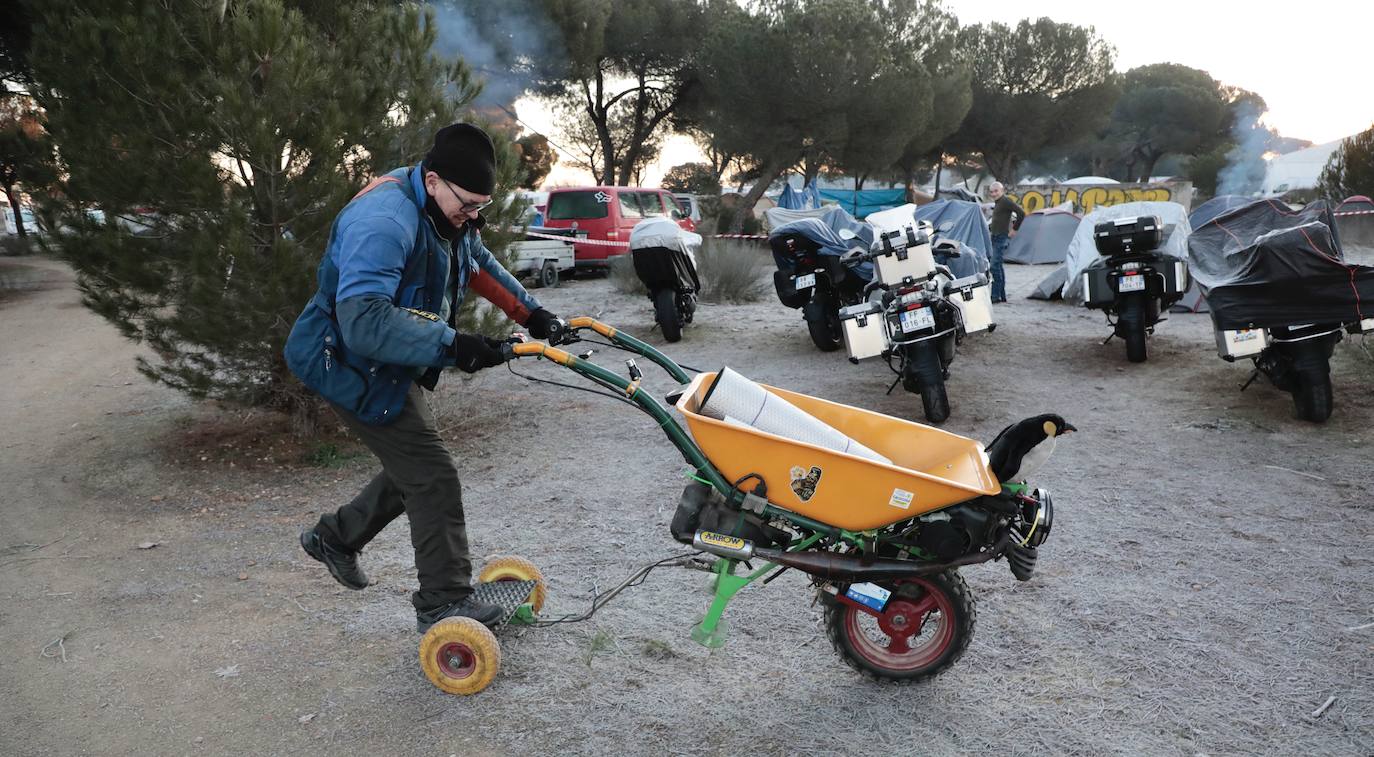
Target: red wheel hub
(456, 659)
(901, 638)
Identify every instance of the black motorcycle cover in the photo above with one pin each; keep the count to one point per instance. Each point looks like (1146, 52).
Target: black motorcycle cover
(1264, 265)
(664, 267)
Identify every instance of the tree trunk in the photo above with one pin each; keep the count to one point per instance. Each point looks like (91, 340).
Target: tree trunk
(939, 170)
(1148, 169)
(13, 197)
(771, 171)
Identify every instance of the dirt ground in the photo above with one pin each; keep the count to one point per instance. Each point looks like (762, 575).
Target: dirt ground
(1208, 586)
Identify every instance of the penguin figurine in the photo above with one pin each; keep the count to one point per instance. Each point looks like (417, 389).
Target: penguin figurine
(1021, 448)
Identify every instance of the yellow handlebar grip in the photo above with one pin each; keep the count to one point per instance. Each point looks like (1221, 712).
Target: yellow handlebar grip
(529, 349)
(587, 322)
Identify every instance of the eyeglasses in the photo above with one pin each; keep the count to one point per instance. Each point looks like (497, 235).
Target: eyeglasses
(467, 207)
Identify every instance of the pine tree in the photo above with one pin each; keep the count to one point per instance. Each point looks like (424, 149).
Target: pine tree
(1350, 170)
(220, 140)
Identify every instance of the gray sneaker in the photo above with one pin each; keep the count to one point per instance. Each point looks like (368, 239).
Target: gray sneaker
(343, 565)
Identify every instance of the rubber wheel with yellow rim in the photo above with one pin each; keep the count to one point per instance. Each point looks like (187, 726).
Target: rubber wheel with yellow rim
(512, 568)
(460, 655)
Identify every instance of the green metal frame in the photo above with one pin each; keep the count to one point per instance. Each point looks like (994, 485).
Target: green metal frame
(710, 631)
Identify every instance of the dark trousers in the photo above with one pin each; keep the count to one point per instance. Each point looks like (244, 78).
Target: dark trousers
(999, 276)
(419, 479)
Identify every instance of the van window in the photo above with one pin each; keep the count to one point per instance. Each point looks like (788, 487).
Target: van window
(565, 206)
(629, 205)
(651, 203)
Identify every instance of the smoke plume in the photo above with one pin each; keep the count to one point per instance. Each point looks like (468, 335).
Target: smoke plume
(1244, 171)
(500, 41)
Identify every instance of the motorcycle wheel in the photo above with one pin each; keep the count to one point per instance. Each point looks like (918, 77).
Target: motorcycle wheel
(925, 628)
(1312, 396)
(665, 312)
(935, 402)
(1132, 322)
(826, 333)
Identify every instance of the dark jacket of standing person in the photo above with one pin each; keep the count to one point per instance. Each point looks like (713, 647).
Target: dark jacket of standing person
(1002, 212)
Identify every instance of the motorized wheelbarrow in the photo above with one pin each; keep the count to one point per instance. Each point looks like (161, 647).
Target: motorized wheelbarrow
(880, 542)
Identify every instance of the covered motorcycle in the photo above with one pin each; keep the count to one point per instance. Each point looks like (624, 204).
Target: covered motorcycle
(1280, 292)
(807, 248)
(664, 257)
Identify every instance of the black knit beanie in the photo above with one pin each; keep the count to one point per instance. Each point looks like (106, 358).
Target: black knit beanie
(463, 154)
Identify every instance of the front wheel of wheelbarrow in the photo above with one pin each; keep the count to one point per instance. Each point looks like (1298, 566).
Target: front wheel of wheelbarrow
(460, 655)
(512, 568)
(924, 628)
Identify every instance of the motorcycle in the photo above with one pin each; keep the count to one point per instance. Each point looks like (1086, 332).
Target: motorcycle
(810, 274)
(664, 256)
(916, 312)
(1297, 360)
(1280, 293)
(1133, 281)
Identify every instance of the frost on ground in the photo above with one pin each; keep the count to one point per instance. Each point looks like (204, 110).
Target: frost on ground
(1208, 587)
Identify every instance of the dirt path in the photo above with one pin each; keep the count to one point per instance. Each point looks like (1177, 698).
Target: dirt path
(1210, 558)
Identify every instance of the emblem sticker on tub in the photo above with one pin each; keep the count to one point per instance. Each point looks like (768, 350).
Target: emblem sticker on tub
(804, 483)
(901, 498)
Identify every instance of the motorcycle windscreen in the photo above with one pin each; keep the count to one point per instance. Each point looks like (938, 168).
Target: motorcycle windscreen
(660, 267)
(1263, 265)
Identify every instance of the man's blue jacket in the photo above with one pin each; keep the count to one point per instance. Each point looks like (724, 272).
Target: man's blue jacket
(380, 318)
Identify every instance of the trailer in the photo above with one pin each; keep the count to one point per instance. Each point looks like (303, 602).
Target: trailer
(542, 259)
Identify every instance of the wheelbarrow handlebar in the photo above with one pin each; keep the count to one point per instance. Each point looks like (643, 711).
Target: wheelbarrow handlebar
(567, 333)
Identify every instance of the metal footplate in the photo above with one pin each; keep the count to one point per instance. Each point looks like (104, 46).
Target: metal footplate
(508, 595)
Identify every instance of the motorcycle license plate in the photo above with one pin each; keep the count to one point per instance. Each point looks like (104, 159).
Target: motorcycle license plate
(804, 281)
(915, 320)
(1134, 283)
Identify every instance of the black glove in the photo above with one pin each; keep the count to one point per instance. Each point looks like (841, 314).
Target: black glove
(473, 352)
(539, 323)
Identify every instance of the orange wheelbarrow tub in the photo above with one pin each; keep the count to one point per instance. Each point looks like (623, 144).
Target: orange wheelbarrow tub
(930, 468)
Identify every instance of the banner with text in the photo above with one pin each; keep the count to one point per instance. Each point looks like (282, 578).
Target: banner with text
(1085, 197)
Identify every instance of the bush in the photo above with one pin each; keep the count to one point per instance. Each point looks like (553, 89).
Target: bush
(731, 271)
(623, 276)
(12, 245)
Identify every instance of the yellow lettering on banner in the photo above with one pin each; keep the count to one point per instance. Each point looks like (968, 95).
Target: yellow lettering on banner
(1032, 200)
(1091, 198)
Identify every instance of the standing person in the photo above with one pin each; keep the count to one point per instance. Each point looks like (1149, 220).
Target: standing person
(401, 257)
(1002, 228)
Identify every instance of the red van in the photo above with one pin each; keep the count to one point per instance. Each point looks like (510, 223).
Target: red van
(608, 214)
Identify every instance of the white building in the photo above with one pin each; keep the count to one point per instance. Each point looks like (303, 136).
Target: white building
(1297, 170)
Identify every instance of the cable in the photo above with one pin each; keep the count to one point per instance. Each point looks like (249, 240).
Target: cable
(608, 395)
(601, 599)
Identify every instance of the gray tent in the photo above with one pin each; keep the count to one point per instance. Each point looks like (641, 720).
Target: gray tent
(1044, 237)
(1050, 288)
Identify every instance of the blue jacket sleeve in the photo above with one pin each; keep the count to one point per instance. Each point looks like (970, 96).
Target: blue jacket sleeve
(371, 256)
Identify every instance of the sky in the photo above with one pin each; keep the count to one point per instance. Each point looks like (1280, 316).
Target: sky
(1311, 62)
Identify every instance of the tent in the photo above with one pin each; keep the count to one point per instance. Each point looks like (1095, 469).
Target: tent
(1083, 252)
(864, 201)
(790, 198)
(1356, 204)
(1051, 287)
(1213, 208)
(961, 220)
(1043, 237)
(1088, 180)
